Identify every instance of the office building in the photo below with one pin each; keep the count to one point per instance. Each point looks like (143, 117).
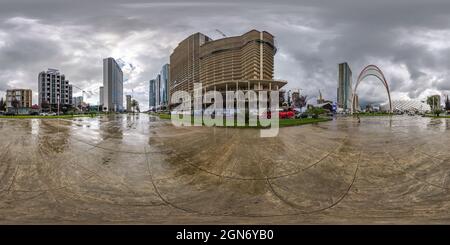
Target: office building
(185, 63)
(164, 85)
(128, 103)
(152, 94)
(157, 90)
(113, 86)
(356, 106)
(19, 100)
(243, 62)
(54, 89)
(101, 96)
(344, 91)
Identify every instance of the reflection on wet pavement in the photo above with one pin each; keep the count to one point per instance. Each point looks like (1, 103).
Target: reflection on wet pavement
(139, 169)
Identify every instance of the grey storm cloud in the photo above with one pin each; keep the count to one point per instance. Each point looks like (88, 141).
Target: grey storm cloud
(407, 39)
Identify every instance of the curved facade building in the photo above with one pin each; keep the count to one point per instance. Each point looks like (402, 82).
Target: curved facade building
(241, 62)
(184, 63)
(407, 106)
(245, 58)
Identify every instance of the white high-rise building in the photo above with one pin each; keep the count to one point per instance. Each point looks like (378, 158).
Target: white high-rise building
(344, 91)
(102, 97)
(112, 86)
(128, 103)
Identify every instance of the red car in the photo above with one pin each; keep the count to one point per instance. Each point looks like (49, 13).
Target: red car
(282, 114)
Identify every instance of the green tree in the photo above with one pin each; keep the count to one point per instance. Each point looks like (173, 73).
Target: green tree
(437, 111)
(316, 111)
(134, 105)
(434, 101)
(2, 105)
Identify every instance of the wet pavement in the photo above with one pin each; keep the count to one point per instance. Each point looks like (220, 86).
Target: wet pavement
(139, 169)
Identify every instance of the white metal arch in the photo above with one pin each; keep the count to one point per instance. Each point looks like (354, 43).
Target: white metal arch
(372, 70)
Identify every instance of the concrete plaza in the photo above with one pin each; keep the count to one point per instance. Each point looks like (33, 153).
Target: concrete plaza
(126, 169)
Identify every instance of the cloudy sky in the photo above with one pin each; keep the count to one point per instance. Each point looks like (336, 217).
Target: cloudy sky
(408, 39)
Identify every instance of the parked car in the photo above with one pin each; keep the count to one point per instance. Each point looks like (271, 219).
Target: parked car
(282, 114)
(33, 113)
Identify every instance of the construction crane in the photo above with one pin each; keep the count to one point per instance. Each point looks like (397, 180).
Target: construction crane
(82, 90)
(221, 33)
(87, 93)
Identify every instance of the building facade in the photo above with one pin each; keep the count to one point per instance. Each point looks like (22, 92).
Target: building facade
(164, 85)
(113, 86)
(356, 106)
(19, 100)
(157, 90)
(344, 91)
(243, 62)
(407, 106)
(54, 89)
(185, 63)
(101, 96)
(152, 94)
(128, 103)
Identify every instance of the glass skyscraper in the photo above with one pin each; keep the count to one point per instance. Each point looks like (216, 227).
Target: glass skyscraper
(164, 85)
(157, 90)
(112, 86)
(344, 91)
(152, 94)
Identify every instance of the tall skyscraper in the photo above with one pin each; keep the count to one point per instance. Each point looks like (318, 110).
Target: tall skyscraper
(113, 86)
(128, 103)
(249, 57)
(157, 90)
(185, 63)
(102, 96)
(234, 63)
(164, 85)
(344, 91)
(356, 106)
(152, 94)
(54, 89)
